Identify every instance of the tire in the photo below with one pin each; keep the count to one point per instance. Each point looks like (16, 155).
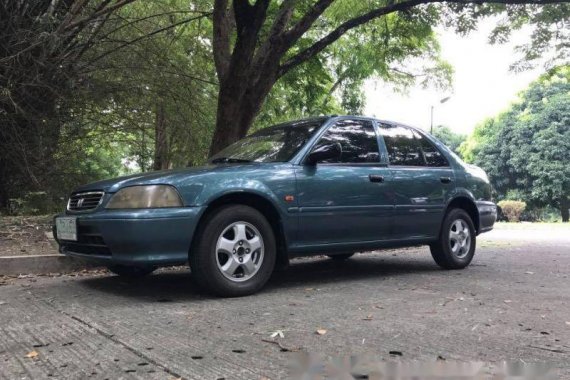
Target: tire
(341, 256)
(455, 250)
(131, 271)
(235, 252)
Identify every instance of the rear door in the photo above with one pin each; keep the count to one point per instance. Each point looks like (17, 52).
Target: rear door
(345, 200)
(421, 180)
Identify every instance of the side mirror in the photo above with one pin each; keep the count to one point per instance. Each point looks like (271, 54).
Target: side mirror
(324, 152)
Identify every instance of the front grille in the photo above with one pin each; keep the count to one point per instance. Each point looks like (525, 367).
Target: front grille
(85, 201)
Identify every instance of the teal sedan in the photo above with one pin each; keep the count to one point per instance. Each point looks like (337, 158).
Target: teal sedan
(322, 186)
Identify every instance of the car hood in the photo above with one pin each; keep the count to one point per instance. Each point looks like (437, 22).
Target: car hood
(477, 172)
(162, 177)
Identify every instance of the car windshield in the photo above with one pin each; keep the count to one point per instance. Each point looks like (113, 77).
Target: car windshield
(274, 144)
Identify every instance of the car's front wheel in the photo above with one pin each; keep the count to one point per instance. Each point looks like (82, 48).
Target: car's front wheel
(456, 245)
(235, 252)
(131, 271)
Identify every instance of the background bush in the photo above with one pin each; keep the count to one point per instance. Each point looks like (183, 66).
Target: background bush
(512, 209)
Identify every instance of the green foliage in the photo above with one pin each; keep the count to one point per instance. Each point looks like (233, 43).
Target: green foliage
(32, 203)
(301, 92)
(102, 91)
(526, 149)
(512, 209)
(171, 70)
(332, 83)
(451, 139)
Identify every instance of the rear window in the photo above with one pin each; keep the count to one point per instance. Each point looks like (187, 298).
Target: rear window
(432, 155)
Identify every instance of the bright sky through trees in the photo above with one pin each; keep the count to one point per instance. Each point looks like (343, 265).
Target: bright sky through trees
(483, 85)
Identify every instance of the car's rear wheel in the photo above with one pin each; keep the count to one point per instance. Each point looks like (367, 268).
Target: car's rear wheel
(341, 256)
(456, 245)
(235, 252)
(131, 271)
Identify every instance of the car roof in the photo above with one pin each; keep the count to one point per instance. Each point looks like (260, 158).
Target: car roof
(383, 121)
(293, 123)
(325, 118)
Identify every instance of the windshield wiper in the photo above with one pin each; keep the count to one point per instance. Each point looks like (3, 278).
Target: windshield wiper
(230, 160)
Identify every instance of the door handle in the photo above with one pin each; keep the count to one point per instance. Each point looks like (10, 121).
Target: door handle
(445, 179)
(376, 178)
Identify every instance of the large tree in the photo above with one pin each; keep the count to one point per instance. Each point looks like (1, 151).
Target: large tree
(256, 44)
(526, 150)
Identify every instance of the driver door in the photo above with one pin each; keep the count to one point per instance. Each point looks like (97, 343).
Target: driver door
(346, 199)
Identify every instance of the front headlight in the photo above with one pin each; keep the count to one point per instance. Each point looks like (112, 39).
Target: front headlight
(151, 196)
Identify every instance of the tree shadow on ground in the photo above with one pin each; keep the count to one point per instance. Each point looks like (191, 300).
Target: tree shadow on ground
(177, 285)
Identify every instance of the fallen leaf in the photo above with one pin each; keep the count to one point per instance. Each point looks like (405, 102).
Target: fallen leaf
(281, 347)
(396, 353)
(528, 272)
(321, 331)
(368, 318)
(278, 333)
(508, 301)
(32, 354)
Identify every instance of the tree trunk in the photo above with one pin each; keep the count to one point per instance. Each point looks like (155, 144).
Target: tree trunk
(241, 96)
(228, 117)
(235, 117)
(564, 209)
(161, 160)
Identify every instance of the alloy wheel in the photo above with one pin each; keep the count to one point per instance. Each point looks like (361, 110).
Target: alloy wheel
(239, 251)
(459, 238)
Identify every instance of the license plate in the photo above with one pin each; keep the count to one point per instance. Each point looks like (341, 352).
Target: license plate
(66, 228)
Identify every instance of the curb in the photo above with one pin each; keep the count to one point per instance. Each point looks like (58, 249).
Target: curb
(42, 264)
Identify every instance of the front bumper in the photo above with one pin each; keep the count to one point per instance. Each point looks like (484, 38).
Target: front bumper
(487, 215)
(156, 237)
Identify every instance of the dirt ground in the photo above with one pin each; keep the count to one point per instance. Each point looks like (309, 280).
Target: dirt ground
(25, 235)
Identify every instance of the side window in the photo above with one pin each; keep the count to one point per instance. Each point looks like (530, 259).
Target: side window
(433, 156)
(403, 148)
(357, 140)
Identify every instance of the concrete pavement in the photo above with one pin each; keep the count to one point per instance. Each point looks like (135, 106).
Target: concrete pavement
(512, 303)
